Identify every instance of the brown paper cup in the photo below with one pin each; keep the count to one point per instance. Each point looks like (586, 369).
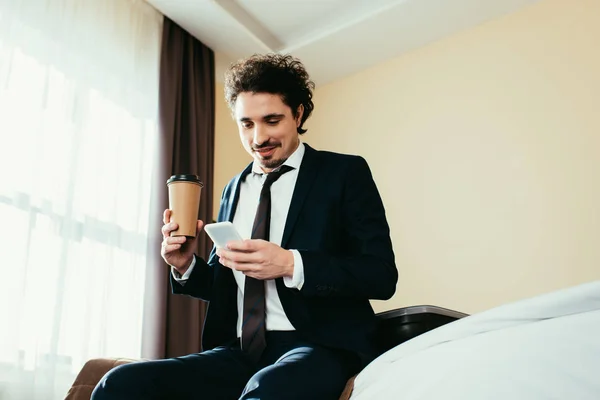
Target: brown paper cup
(184, 203)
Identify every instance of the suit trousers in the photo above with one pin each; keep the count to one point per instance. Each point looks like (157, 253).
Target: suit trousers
(289, 368)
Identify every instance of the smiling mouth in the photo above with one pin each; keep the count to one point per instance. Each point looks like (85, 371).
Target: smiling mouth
(266, 151)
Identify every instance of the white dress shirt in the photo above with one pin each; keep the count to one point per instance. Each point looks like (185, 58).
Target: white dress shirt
(281, 198)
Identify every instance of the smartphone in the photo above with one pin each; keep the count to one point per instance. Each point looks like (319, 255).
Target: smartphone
(221, 233)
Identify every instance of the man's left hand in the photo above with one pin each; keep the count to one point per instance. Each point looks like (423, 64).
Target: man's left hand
(257, 259)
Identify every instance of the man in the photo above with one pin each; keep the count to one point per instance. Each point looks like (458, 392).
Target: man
(289, 314)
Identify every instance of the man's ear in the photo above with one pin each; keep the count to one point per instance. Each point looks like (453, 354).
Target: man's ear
(299, 114)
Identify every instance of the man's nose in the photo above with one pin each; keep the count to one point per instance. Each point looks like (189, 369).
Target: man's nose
(260, 135)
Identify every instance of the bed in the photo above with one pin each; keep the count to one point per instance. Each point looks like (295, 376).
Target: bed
(546, 347)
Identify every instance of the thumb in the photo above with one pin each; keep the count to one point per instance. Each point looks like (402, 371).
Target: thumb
(199, 226)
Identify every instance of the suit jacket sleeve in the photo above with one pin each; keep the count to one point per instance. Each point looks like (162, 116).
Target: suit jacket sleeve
(200, 283)
(367, 268)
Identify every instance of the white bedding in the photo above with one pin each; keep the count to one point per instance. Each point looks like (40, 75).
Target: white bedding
(547, 347)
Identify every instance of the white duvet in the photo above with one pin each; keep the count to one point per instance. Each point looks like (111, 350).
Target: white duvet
(547, 347)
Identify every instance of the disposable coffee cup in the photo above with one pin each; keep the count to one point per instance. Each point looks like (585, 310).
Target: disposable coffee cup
(184, 203)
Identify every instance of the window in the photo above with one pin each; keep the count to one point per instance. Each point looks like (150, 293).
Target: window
(78, 104)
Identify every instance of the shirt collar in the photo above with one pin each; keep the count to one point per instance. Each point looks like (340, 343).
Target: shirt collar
(293, 161)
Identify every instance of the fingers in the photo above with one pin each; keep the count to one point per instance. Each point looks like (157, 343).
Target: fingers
(252, 270)
(168, 228)
(242, 267)
(246, 245)
(170, 244)
(175, 240)
(256, 275)
(239, 257)
(166, 216)
(171, 248)
(199, 227)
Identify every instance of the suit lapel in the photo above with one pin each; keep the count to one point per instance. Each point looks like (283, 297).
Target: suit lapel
(233, 200)
(306, 176)
(223, 274)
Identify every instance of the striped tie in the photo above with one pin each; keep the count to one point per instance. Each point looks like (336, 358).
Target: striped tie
(253, 326)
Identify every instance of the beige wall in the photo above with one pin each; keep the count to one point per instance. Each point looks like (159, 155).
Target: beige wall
(486, 150)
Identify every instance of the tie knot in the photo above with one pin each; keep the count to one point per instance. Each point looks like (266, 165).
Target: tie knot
(274, 175)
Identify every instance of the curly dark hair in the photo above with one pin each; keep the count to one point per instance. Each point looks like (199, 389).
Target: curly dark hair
(272, 73)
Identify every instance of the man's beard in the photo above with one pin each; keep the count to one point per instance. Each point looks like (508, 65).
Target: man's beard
(273, 164)
(270, 163)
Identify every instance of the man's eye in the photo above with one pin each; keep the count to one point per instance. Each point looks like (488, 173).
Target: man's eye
(247, 125)
(273, 122)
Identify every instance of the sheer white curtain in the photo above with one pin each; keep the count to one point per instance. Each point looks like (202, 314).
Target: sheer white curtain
(78, 116)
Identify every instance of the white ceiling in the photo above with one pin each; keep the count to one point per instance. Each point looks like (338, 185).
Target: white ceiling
(334, 38)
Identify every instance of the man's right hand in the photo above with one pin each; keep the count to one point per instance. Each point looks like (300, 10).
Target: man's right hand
(178, 251)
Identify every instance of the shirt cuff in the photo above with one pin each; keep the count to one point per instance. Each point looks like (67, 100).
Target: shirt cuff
(297, 280)
(181, 279)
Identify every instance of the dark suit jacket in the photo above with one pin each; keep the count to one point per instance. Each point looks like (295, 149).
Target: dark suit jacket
(337, 222)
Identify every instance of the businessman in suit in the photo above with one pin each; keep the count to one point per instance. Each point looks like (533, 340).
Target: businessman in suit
(289, 314)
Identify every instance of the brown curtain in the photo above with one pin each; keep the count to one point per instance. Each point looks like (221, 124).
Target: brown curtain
(173, 323)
